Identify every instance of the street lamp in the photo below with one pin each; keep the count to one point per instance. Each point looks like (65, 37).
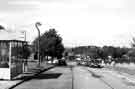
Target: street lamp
(38, 24)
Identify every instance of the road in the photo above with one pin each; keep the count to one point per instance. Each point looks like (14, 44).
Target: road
(92, 78)
(78, 77)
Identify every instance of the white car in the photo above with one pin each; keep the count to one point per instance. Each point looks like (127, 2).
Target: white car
(55, 61)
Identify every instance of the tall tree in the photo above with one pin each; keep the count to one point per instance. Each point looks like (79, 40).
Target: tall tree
(133, 42)
(1, 27)
(50, 44)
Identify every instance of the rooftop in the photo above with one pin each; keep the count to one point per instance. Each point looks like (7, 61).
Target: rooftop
(11, 35)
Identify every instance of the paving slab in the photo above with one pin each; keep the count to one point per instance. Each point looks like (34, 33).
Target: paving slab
(9, 84)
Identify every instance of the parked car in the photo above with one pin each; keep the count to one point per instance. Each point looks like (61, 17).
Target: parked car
(55, 61)
(62, 63)
(96, 63)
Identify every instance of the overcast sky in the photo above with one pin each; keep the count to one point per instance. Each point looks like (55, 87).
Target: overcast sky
(80, 22)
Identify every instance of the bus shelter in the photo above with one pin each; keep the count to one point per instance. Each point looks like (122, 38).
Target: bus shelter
(11, 58)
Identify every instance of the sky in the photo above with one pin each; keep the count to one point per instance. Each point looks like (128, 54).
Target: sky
(79, 22)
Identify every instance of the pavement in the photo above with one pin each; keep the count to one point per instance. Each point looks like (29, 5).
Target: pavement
(72, 77)
(32, 70)
(78, 77)
(59, 77)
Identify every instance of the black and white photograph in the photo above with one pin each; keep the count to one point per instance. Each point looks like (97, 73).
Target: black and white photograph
(67, 44)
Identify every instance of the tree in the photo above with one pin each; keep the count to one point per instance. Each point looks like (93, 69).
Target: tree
(50, 44)
(1, 27)
(133, 42)
(26, 52)
(131, 53)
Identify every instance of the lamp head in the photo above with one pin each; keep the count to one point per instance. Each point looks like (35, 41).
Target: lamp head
(38, 23)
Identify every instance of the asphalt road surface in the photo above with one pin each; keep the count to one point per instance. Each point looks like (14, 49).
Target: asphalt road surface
(78, 77)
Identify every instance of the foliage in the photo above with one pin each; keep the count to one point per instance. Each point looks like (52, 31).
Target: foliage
(102, 52)
(26, 52)
(1, 27)
(50, 44)
(133, 42)
(21, 52)
(131, 53)
(91, 51)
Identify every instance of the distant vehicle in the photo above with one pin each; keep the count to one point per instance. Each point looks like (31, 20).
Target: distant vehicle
(84, 63)
(71, 57)
(55, 61)
(96, 66)
(49, 62)
(96, 63)
(62, 63)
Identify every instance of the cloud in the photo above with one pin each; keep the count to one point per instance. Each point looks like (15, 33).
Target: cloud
(34, 3)
(17, 6)
(80, 22)
(57, 1)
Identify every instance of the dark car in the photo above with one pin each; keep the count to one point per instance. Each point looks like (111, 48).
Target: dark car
(62, 63)
(96, 63)
(96, 66)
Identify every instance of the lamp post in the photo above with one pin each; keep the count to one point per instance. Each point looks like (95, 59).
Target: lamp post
(38, 24)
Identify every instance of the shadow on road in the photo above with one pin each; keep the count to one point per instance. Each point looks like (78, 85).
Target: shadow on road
(41, 76)
(48, 76)
(96, 76)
